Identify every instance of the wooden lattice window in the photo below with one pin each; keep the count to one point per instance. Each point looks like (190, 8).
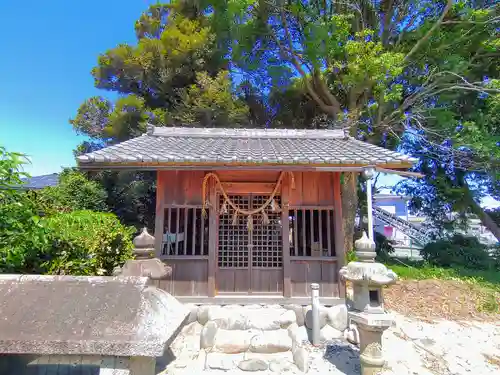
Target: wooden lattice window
(311, 232)
(240, 247)
(185, 231)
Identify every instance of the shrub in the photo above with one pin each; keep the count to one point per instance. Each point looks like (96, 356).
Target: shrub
(74, 192)
(21, 234)
(459, 250)
(86, 243)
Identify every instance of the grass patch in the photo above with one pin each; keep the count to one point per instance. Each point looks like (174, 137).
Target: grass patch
(486, 283)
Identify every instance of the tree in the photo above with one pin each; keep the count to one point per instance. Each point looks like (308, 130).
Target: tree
(369, 66)
(173, 75)
(74, 192)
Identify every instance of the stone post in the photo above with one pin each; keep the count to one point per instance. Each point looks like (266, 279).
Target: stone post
(368, 314)
(368, 173)
(315, 314)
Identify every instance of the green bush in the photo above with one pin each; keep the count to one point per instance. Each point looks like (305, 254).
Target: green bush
(460, 251)
(86, 243)
(21, 233)
(74, 192)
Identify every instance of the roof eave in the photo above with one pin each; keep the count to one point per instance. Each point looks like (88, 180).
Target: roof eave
(348, 167)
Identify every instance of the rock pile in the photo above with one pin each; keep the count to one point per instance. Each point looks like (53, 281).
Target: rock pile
(258, 338)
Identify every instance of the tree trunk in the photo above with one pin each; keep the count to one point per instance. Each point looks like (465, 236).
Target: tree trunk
(349, 194)
(486, 219)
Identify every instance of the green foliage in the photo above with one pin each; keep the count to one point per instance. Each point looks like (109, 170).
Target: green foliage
(21, 233)
(11, 173)
(86, 243)
(209, 102)
(78, 242)
(74, 192)
(466, 252)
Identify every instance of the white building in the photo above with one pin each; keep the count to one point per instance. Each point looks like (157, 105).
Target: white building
(393, 220)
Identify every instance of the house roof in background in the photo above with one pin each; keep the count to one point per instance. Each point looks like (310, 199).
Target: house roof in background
(388, 196)
(215, 146)
(40, 182)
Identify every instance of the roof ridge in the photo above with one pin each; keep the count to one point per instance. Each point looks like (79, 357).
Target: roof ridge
(272, 133)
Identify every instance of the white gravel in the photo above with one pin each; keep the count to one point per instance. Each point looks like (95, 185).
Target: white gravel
(411, 347)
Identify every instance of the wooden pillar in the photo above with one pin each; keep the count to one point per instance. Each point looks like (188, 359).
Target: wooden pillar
(285, 202)
(340, 252)
(160, 212)
(212, 239)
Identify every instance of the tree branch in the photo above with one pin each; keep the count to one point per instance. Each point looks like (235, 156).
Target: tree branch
(431, 30)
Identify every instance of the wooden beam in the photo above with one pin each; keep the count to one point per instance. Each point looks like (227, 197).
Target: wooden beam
(245, 187)
(160, 212)
(340, 252)
(212, 238)
(285, 195)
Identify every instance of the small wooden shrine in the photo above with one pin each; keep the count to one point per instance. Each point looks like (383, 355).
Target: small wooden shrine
(248, 214)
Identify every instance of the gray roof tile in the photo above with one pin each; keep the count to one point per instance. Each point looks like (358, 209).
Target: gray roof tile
(263, 146)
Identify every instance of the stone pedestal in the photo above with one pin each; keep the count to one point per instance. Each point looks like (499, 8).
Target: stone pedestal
(370, 329)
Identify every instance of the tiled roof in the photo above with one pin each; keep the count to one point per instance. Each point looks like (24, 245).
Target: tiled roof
(40, 182)
(243, 146)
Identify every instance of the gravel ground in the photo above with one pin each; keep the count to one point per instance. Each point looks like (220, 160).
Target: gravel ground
(411, 347)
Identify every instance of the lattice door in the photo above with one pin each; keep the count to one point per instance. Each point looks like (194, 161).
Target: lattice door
(256, 252)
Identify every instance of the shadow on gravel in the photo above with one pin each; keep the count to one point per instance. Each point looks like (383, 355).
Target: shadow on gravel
(344, 356)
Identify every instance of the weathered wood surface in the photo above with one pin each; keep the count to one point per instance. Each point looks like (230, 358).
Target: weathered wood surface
(311, 188)
(312, 191)
(325, 273)
(189, 277)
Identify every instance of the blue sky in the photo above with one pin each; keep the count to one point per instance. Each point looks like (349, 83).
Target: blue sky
(49, 49)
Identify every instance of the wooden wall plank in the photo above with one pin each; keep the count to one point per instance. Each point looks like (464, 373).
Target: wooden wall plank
(325, 189)
(248, 176)
(246, 187)
(193, 181)
(306, 272)
(310, 181)
(267, 280)
(179, 187)
(296, 194)
(189, 278)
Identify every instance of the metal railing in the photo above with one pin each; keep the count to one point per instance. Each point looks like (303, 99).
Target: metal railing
(404, 226)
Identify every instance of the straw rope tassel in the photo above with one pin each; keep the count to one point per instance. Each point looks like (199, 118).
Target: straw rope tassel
(229, 202)
(223, 209)
(265, 218)
(235, 218)
(250, 223)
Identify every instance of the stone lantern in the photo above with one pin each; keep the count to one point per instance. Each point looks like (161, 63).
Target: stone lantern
(144, 263)
(367, 314)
